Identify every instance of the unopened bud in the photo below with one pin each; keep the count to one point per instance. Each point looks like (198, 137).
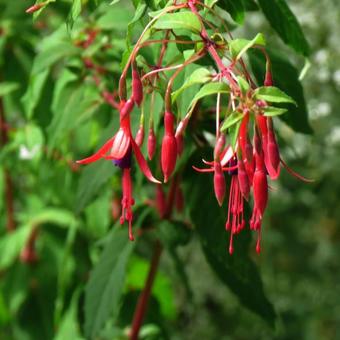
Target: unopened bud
(243, 179)
(140, 136)
(127, 108)
(219, 183)
(219, 146)
(36, 7)
(260, 187)
(137, 87)
(169, 147)
(180, 144)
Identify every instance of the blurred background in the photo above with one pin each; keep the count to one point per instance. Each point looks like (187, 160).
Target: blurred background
(299, 263)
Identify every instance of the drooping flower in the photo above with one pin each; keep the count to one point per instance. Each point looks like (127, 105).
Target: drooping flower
(235, 221)
(118, 146)
(260, 189)
(119, 149)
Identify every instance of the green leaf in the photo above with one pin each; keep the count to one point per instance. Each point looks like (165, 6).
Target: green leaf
(210, 89)
(114, 18)
(92, 179)
(53, 48)
(162, 288)
(60, 217)
(235, 8)
(250, 5)
(273, 111)
(285, 76)
(82, 100)
(174, 233)
(272, 94)
(12, 243)
(233, 134)
(37, 13)
(33, 93)
(238, 271)
(53, 54)
(239, 46)
(140, 11)
(69, 325)
(284, 22)
(181, 20)
(8, 87)
(104, 289)
(75, 12)
(244, 86)
(232, 119)
(199, 76)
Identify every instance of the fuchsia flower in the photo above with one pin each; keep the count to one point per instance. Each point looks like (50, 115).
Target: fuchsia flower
(248, 167)
(169, 146)
(235, 222)
(260, 189)
(119, 149)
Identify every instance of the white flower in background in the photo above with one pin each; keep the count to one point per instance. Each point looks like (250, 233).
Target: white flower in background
(336, 77)
(334, 136)
(27, 154)
(321, 110)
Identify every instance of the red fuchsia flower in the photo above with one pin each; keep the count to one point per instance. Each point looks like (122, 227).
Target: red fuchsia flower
(235, 221)
(169, 147)
(219, 183)
(137, 87)
(180, 144)
(260, 189)
(269, 146)
(119, 149)
(246, 148)
(140, 136)
(127, 200)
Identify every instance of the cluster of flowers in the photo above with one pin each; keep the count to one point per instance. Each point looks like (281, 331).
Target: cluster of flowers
(249, 160)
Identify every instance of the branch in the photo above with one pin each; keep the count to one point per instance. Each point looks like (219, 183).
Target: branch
(143, 300)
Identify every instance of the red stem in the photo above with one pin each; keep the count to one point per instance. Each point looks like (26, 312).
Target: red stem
(211, 48)
(145, 295)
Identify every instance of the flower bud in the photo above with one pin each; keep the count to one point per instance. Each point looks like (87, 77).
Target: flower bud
(180, 144)
(219, 146)
(243, 179)
(260, 187)
(140, 136)
(268, 81)
(219, 183)
(169, 147)
(137, 87)
(36, 7)
(273, 164)
(127, 108)
(151, 143)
